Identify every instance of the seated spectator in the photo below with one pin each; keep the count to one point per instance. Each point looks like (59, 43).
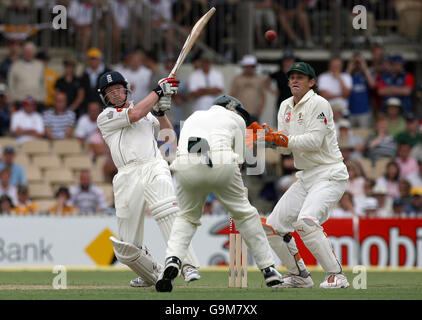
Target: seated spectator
(89, 79)
(404, 189)
(346, 136)
(6, 205)
(87, 123)
(412, 133)
(406, 162)
(59, 121)
(360, 112)
(390, 180)
(6, 187)
(14, 51)
(96, 144)
(50, 78)
(399, 208)
(27, 124)
(4, 110)
(289, 10)
(356, 179)
(25, 206)
(335, 85)
(62, 207)
(385, 203)
(396, 122)
(20, 84)
(86, 196)
(399, 83)
(249, 87)
(370, 207)
(415, 178)
(205, 84)
(70, 84)
(414, 208)
(367, 193)
(380, 144)
(346, 208)
(18, 176)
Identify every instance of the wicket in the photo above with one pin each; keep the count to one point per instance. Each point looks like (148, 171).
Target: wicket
(238, 257)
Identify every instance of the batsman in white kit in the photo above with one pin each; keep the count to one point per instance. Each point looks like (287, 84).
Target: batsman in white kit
(211, 147)
(306, 129)
(130, 130)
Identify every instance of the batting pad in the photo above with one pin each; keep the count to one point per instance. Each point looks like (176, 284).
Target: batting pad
(320, 246)
(139, 260)
(286, 251)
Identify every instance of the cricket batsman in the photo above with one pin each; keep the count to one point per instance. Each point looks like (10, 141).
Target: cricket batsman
(306, 129)
(130, 131)
(211, 147)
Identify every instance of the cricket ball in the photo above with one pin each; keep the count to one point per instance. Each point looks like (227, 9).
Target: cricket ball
(270, 35)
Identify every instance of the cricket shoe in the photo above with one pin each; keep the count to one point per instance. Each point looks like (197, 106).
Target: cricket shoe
(335, 280)
(272, 277)
(294, 281)
(140, 283)
(190, 273)
(171, 271)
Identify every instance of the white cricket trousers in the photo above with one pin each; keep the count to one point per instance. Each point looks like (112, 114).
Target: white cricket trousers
(142, 183)
(312, 196)
(194, 182)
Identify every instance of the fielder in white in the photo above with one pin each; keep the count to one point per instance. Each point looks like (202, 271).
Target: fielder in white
(211, 147)
(306, 129)
(143, 176)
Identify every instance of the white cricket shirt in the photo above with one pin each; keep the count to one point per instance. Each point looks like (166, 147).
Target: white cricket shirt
(129, 141)
(311, 131)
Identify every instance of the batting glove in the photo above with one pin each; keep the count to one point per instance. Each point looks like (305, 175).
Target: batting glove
(163, 105)
(167, 86)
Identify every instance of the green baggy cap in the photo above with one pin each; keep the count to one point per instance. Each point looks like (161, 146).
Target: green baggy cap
(302, 67)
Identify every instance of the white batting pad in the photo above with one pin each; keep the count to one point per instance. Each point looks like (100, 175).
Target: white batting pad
(139, 260)
(320, 246)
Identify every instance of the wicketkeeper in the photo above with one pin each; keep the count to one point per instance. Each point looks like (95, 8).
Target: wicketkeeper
(306, 129)
(211, 147)
(130, 130)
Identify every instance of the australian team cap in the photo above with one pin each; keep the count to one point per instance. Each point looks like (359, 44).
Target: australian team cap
(302, 67)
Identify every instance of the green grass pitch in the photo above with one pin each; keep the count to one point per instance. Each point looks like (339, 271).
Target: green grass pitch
(105, 284)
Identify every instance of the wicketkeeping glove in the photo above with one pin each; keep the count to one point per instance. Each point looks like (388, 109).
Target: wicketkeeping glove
(272, 138)
(276, 139)
(167, 86)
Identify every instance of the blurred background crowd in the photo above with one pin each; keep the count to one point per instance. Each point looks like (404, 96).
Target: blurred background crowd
(54, 160)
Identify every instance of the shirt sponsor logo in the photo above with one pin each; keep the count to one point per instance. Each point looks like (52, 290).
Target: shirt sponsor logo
(300, 117)
(322, 116)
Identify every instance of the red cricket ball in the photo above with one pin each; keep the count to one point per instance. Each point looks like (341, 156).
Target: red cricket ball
(270, 35)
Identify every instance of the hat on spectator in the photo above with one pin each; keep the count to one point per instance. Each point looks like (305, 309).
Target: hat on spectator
(248, 60)
(416, 191)
(410, 116)
(9, 149)
(3, 89)
(396, 58)
(288, 55)
(393, 101)
(63, 189)
(94, 53)
(379, 189)
(344, 123)
(69, 61)
(29, 100)
(370, 204)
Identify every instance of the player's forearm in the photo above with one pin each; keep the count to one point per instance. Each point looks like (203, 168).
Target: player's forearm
(164, 122)
(142, 108)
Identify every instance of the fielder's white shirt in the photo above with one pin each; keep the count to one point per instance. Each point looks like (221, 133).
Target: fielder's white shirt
(223, 129)
(311, 131)
(129, 141)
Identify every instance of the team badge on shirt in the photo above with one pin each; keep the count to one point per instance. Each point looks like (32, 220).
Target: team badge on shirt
(322, 116)
(300, 117)
(110, 115)
(287, 117)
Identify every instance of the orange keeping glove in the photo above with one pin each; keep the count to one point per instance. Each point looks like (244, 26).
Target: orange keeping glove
(276, 139)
